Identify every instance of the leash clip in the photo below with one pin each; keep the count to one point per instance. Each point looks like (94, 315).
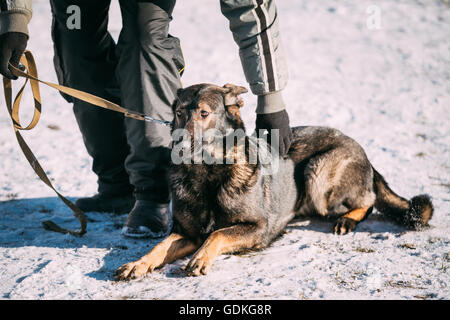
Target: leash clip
(165, 123)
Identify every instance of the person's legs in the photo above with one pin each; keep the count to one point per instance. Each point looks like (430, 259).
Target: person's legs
(85, 59)
(149, 67)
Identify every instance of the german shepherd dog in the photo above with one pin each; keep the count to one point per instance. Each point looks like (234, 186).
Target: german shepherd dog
(225, 208)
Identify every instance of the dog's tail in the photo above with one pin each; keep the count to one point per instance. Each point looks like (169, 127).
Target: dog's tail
(413, 214)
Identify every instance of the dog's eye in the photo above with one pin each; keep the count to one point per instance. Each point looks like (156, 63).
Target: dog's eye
(178, 113)
(204, 113)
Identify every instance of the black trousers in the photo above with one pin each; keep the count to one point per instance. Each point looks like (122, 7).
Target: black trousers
(141, 72)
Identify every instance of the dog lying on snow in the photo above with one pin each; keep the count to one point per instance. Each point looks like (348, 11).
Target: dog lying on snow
(224, 208)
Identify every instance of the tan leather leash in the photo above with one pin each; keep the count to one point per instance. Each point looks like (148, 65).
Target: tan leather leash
(31, 75)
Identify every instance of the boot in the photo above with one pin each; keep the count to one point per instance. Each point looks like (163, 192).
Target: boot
(148, 219)
(107, 203)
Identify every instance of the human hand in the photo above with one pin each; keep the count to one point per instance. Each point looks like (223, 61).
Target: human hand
(277, 120)
(12, 46)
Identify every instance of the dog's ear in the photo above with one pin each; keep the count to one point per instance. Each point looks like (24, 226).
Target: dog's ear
(177, 99)
(231, 95)
(233, 102)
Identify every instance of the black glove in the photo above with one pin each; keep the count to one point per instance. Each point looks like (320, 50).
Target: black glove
(277, 120)
(12, 45)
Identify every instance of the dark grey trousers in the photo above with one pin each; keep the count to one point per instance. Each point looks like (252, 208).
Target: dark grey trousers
(141, 72)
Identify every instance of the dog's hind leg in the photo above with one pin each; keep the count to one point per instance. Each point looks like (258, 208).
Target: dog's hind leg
(348, 222)
(174, 247)
(226, 240)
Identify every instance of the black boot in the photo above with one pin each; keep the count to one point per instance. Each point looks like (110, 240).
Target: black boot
(148, 219)
(118, 204)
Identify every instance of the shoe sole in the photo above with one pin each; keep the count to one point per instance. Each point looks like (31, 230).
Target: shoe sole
(142, 232)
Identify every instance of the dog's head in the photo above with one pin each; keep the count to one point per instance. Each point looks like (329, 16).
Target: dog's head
(207, 106)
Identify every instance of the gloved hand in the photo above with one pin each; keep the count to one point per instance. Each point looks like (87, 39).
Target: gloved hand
(277, 120)
(12, 45)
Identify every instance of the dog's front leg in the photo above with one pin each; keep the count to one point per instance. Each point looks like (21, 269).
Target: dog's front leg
(174, 247)
(226, 240)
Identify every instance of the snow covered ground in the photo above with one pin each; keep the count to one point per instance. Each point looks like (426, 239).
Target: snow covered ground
(389, 88)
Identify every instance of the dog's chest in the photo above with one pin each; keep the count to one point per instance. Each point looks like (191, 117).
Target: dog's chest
(200, 218)
(199, 208)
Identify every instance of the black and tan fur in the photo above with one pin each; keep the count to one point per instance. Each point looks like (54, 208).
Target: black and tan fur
(224, 208)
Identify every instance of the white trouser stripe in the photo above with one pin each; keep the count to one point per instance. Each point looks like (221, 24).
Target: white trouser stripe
(261, 48)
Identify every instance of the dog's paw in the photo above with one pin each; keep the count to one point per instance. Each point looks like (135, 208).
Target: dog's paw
(133, 270)
(199, 264)
(344, 225)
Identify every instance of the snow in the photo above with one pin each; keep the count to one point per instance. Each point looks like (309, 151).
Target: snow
(388, 88)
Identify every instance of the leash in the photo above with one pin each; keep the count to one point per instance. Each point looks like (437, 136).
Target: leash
(31, 75)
